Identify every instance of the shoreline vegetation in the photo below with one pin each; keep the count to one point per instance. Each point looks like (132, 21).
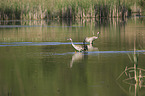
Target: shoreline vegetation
(51, 9)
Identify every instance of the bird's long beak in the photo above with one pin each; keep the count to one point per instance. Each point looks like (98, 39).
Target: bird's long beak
(68, 39)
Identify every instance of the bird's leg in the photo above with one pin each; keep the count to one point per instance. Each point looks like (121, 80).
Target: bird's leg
(91, 44)
(84, 46)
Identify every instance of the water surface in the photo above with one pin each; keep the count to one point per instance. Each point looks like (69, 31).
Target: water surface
(37, 60)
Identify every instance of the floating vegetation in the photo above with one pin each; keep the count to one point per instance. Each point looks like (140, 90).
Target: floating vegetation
(42, 9)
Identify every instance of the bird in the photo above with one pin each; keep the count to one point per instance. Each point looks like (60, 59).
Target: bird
(79, 48)
(92, 48)
(91, 39)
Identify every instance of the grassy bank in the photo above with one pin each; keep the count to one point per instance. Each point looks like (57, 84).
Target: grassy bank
(42, 9)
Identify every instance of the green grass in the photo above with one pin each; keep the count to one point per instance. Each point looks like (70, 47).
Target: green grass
(41, 9)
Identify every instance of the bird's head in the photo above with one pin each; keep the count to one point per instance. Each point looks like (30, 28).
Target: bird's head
(69, 39)
(98, 32)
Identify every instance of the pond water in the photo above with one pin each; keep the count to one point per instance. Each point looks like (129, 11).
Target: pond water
(36, 59)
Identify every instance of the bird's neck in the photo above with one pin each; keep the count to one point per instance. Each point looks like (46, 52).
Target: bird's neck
(98, 35)
(72, 42)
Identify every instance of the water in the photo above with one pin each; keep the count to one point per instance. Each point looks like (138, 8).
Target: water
(38, 60)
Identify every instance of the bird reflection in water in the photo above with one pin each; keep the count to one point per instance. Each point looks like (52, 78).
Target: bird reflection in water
(81, 56)
(78, 57)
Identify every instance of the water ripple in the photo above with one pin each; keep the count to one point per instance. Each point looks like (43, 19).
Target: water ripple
(100, 52)
(3, 44)
(19, 26)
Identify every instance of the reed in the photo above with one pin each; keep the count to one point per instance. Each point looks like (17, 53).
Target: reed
(41, 9)
(142, 5)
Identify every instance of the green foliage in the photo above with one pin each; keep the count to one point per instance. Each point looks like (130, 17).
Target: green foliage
(40, 9)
